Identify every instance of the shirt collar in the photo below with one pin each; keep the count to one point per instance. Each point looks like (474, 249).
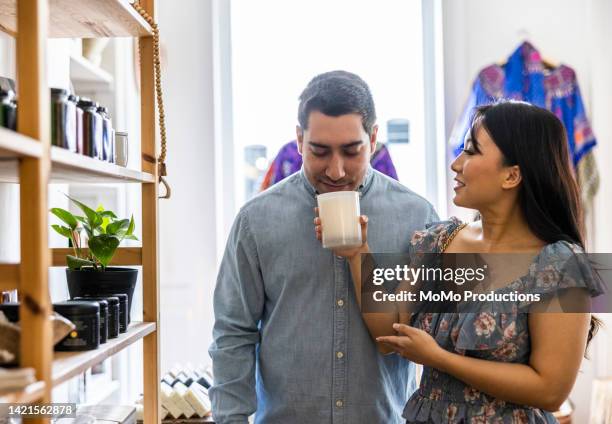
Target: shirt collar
(362, 189)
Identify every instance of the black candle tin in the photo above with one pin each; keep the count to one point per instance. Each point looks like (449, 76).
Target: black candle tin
(104, 315)
(124, 315)
(11, 311)
(86, 317)
(113, 313)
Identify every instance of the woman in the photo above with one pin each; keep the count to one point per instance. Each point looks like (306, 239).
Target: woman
(492, 367)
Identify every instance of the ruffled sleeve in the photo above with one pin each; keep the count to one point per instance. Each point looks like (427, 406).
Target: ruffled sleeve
(504, 334)
(561, 266)
(433, 237)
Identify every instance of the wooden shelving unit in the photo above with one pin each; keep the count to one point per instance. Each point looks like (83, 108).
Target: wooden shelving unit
(30, 394)
(14, 146)
(27, 158)
(125, 256)
(9, 277)
(83, 19)
(70, 364)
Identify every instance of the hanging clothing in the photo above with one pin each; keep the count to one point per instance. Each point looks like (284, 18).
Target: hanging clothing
(288, 161)
(525, 77)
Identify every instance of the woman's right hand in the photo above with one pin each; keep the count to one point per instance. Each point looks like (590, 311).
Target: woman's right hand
(349, 252)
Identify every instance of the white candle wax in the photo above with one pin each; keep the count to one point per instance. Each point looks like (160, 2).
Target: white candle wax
(339, 213)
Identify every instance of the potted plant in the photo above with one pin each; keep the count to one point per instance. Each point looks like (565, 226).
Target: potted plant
(88, 272)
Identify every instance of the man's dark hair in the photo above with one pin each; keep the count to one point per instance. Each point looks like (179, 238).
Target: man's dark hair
(337, 93)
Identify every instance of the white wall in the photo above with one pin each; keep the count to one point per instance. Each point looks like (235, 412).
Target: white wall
(577, 33)
(187, 221)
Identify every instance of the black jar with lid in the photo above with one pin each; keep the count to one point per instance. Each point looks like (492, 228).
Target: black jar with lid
(113, 313)
(79, 126)
(104, 315)
(8, 109)
(63, 112)
(124, 312)
(86, 318)
(71, 123)
(92, 128)
(10, 310)
(108, 135)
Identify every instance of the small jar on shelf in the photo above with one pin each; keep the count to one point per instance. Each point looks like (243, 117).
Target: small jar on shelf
(79, 126)
(108, 135)
(63, 116)
(92, 128)
(8, 109)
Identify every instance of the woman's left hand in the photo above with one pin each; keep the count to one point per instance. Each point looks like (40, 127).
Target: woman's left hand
(415, 345)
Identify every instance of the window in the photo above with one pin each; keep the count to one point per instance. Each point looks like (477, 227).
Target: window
(278, 46)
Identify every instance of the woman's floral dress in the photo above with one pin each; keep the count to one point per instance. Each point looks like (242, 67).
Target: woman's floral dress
(496, 336)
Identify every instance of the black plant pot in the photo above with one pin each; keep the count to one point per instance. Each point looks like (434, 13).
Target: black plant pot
(89, 282)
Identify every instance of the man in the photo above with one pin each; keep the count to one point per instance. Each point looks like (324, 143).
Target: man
(285, 309)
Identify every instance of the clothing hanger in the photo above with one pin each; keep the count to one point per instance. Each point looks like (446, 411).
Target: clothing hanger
(523, 35)
(549, 65)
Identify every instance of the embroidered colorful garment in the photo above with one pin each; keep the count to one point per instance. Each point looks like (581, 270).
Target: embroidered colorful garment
(525, 77)
(486, 334)
(288, 161)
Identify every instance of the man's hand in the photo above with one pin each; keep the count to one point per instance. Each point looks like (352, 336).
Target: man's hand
(349, 252)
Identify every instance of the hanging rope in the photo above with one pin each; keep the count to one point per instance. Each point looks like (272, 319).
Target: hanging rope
(160, 101)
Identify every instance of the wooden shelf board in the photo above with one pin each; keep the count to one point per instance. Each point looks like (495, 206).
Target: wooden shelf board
(14, 145)
(68, 167)
(9, 171)
(69, 364)
(29, 394)
(9, 277)
(125, 256)
(83, 19)
(83, 71)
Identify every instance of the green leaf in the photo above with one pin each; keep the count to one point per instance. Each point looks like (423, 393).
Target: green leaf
(130, 229)
(108, 214)
(130, 237)
(81, 219)
(63, 231)
(105, 222)
(76, 263)
(118, 228)
(103, 247)
(66, 217)
(94, 219)
(105, 218)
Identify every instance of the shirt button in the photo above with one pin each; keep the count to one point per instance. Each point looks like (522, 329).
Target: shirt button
(340, 302)
(339, 355)
(339, 403)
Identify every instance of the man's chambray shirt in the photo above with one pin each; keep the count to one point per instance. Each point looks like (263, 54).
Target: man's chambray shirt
(289, 340)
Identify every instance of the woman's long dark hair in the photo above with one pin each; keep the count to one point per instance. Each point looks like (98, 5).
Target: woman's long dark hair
(535, 139)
